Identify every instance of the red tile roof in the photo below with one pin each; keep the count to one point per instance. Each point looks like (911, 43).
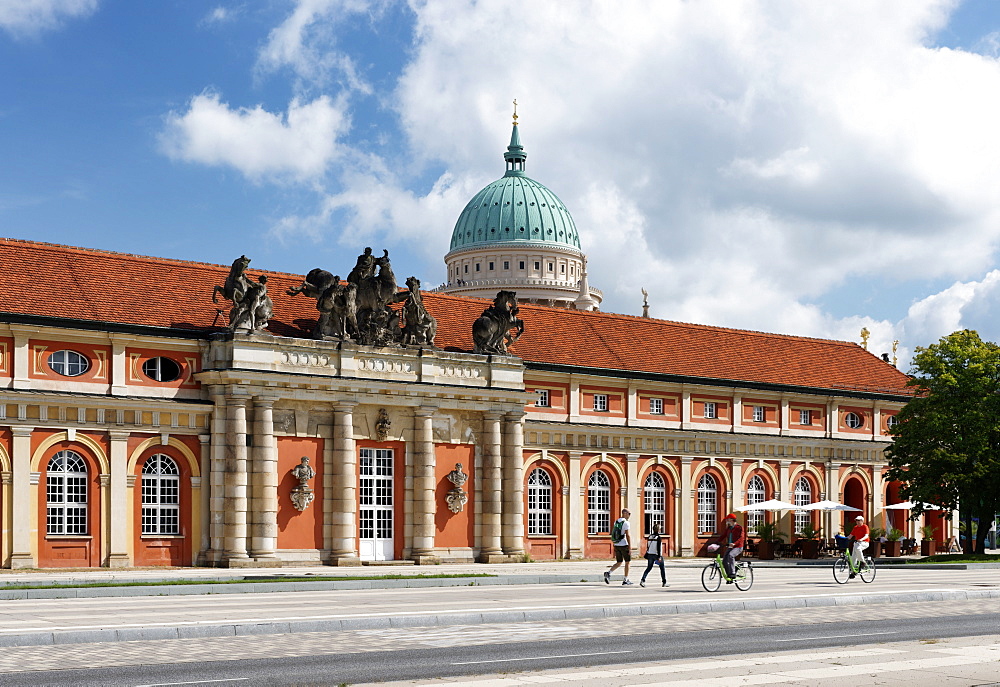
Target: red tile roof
(70, 283)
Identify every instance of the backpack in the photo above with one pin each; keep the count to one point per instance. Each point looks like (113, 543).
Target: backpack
(616, 531)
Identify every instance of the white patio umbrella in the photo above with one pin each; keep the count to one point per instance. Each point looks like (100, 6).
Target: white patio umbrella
(827, 506)
(907, 505)
(772, 504)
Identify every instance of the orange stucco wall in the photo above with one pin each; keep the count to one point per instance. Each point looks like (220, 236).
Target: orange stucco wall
(299, 530)
(453, 529)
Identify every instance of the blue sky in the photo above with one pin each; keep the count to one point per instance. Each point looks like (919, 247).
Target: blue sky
(805, 168)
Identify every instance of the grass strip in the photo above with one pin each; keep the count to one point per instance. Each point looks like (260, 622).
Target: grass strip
(959, 558)
(261, 580)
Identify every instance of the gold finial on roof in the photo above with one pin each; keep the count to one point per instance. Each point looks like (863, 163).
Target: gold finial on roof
(515, 111)
(895, 345)
(864, 337)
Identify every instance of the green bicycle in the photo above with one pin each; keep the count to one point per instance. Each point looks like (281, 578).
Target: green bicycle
(715, 572)
(843, 568)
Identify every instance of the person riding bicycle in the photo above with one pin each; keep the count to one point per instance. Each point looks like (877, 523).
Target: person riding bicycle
(859, 542)
(735, 538)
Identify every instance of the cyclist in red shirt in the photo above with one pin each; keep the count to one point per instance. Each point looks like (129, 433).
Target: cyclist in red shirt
(734, 538)
(860, 534)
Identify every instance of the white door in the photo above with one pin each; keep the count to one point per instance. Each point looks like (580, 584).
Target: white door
(375, 498)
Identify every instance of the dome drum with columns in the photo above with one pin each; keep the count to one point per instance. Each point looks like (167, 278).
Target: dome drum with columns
(516, 234)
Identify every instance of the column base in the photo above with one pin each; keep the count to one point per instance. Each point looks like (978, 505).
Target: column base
(268, 562)
(242, 563)
(119, 560)
(345, 562)
(20, 561)
(574, 555)
(425, 559)
(499, 558)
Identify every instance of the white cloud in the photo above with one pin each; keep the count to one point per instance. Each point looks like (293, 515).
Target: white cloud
(221, 15)
(31, 17)
(306, 42)
(297, 145)
(739, 160)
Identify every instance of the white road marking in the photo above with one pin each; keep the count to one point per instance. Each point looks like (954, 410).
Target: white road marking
(539, 658)
(807, 639)
(196, 682)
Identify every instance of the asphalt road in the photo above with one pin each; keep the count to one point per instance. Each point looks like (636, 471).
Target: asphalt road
(342, 665)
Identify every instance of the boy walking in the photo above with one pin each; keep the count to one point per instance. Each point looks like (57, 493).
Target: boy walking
(623, 553)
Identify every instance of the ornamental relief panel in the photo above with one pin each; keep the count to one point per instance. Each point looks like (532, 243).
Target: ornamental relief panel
(467, 371)
(385, 366)
(305, 359)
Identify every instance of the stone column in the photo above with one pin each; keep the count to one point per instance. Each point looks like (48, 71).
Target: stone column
(264, 490)
(686, 510)
(575, 504)
(633, 496)
(216, 479)
(424, 483)
(490, 546)
(120, 515)
(344, 495)
(513, 485)
(205, 461)
(235, 500)
(786, 493)
(21, 491)
(783, 417)
(739, 496)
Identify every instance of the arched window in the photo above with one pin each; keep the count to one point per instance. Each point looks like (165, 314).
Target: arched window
(803, 497)
(598, 503)
(161, 491)
(539, 502)
(66, 494)
(654, 494)
(755, 495)
(708, 510)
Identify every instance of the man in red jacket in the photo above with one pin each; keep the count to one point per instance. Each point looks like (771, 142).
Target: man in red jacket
(734, 538)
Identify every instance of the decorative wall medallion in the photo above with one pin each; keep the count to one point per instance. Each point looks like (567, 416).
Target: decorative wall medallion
(302, 495)
(457, 498)
(382, 425)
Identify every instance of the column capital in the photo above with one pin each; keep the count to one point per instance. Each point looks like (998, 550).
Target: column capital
(205, 439)
(20, 431)
(575, 455)
(345, 406)
(632, 457)
(492, 415)
(515, 415)
(424, 411)
(265, 401)
(118, 435)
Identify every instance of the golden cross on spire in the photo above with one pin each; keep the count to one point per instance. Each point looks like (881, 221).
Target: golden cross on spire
(515, 111)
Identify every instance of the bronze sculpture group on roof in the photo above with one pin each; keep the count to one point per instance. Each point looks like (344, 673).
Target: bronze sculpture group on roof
(360, 309)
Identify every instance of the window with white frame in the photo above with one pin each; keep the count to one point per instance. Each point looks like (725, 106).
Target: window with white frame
(656, 406)
(755, 494)
(66, 494)
(598, 503)
(708, 511)
(805, 417)
(711, 411)
(506, 264)
(539, 502)
(600, 402)
(654, 502)
(803, 497)
(161, 495)
(891, 421)
(68, 363)
(854, 421)
(759, 414)
(161, 369)
(543, 398)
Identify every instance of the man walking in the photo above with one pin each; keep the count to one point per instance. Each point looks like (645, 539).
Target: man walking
(623, 553)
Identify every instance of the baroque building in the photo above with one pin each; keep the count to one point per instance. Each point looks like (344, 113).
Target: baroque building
(137, 428)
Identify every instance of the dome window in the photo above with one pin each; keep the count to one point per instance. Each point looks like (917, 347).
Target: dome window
(495, 203)
(549, 231)
(507, 203)
(520, 202)
(543, 204)
(560, 233)
(535, 230)
(507, 229)
(522, 229)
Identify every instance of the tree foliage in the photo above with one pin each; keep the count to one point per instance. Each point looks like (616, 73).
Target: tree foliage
(946, 448)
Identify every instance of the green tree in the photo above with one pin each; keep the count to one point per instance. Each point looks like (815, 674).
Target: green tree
(946, 444)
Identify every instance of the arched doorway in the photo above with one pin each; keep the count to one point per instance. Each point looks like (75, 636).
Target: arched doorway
(855, 497)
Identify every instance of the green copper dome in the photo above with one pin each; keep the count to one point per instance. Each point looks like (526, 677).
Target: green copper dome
(515, 209)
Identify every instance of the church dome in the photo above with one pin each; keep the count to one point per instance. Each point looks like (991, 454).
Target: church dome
(515, 210)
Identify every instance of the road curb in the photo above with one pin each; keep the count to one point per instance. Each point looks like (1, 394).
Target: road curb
(199, 630)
